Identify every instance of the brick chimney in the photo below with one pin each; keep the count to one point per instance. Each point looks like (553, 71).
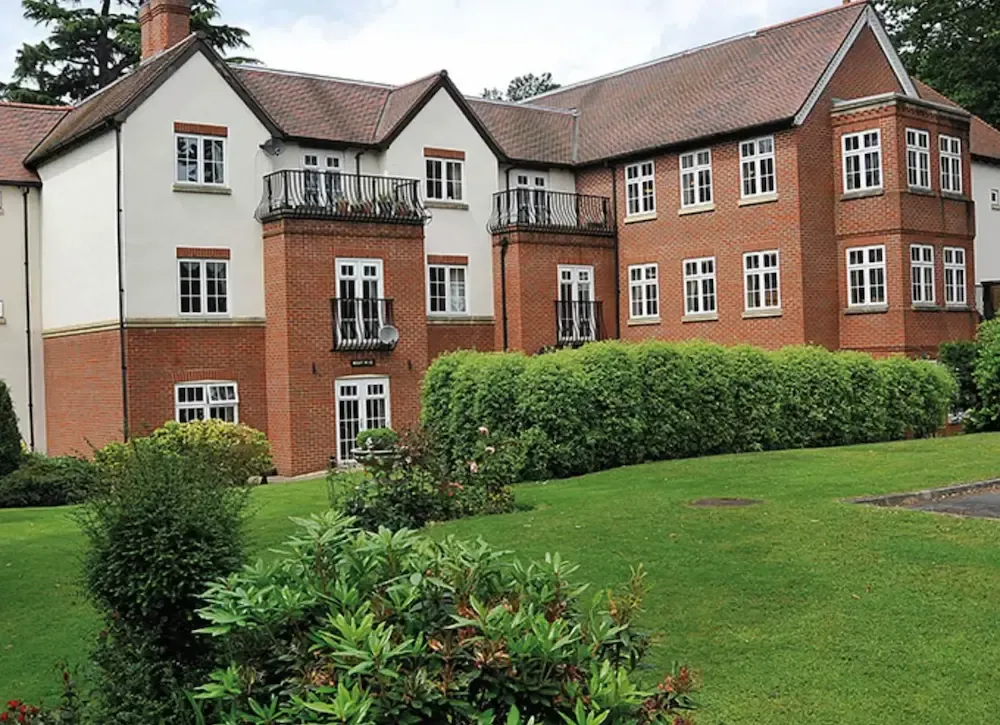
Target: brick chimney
(164, 23)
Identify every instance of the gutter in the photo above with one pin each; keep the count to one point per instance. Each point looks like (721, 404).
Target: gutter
(25, 191)
(119, 211)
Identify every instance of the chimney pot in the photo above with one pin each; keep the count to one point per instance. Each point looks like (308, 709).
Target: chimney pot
(163, 24)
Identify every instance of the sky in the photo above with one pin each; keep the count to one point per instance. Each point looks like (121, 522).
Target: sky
(482, 43)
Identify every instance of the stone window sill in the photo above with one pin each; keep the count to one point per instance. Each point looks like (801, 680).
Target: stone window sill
(957, 308)
(867, 310)
(636, 218)
(756, 314)
(438, 204)
(864, 194)
(700, 209)
(639, 322)
(954, 197)
(921, 192)
(926, 307)
(701, 317)
(457, 319)
(762, 199)
(202, 189)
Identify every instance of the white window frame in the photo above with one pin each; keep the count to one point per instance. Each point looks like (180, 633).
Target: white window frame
(758, 167)
(759, 273)
(918, 159)
(697, 170)
(869, 271)
(706, 301)
(200, 140)
(922, 274)
(451, 301)
(203, 295)
(640, 291)
(950, 148)
(955, 292)
(444, 187)
(640, 178)
(363, 396)
(205, 405)
(995, 199)
(862, 154)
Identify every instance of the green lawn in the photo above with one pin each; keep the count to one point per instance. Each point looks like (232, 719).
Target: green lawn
(801, 610)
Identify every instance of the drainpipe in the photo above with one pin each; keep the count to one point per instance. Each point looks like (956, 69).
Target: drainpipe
(121, 277)
(504, 243)
(618, 262)
(27, 319)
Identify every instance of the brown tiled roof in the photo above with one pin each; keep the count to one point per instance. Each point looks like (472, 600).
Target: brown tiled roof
(400, 101)
(22, 126)
(312, 107)
(97, 111)
(754, 80)
(528, 133)
(984, 140)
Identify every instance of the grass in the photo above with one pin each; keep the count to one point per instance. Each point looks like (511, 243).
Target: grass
(800, 610)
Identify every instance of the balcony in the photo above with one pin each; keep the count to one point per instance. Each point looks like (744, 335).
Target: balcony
(363, 325)
(578, 322)
(551, 211)
(334, 195)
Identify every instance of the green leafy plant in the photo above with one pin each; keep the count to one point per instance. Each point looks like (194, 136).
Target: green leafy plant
(987, 376)
(44, 481)
(380, 439)
(169, 523)
(238, 452)
(612, 403)
(351, 626)
(960, 358)
(10, 437)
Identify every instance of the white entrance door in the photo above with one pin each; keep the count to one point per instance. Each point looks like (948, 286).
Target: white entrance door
(577, 321)
(532, 199)
(362, 404)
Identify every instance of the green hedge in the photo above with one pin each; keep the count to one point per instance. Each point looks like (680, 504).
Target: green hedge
(612, 404)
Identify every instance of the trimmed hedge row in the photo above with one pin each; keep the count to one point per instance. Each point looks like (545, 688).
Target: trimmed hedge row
(612, 404)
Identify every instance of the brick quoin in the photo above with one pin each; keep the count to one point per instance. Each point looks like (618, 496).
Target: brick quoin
(300, 281)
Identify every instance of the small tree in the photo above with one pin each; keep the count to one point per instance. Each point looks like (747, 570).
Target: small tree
(168, 524)
(10, 437)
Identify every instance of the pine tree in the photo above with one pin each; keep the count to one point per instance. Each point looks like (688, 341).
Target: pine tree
(953, 46)
(522, 87)
(89, 47)
(10, 436)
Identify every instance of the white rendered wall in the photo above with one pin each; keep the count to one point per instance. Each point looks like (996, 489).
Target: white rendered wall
(454, 231)
(13, 321)
(159, 219)
(986, 177)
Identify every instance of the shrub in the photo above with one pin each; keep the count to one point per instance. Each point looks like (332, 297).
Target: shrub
(170, 523)
(960, 358)
(609, 404)
(237, 451)
(377, 439)
(987, 376)
(43, 481)
(10, 437)
(359, 627)
(409, 488)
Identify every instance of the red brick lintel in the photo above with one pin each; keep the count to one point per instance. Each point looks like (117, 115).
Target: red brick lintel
(447, 259)
(444, 153)
(203, 253)
(200, 129)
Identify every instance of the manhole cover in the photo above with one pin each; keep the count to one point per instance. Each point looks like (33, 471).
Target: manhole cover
(725, 502)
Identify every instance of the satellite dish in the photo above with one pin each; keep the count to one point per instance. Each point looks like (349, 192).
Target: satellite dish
(388, 335)
(273, 147)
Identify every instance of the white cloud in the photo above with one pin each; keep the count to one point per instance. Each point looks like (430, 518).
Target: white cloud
(484, 43)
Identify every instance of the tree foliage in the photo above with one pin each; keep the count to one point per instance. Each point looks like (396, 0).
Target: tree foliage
(952, 45)
(522, 87)
(10, 437)
(92, 44)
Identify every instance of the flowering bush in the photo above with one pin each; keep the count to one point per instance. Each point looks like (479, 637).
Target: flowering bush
(358, 627)
(406, 486)
(20, 712)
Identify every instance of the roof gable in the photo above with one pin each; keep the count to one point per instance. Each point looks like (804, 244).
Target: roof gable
(113, 104)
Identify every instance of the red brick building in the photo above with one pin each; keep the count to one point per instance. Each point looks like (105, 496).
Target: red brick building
(321, 241)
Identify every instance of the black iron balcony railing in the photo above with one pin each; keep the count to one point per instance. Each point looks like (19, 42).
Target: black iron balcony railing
(363, 324)
(540, 210)
(334, 195)
(578, 322)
